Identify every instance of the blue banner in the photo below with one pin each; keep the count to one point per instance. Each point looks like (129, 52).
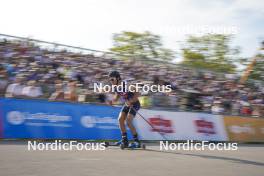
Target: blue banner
(58, 120)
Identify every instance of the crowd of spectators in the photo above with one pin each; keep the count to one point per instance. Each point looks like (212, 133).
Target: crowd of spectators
(28, 70)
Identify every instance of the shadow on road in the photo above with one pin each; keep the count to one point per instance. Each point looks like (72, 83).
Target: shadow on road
(242, 161)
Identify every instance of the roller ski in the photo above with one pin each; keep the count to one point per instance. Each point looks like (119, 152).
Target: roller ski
(123, 142)
(133, 145)
(115, 144)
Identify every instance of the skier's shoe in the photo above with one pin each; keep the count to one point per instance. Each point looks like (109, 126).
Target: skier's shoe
(124, 142)
(135, 144)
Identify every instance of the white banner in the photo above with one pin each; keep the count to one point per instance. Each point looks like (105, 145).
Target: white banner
(180, 126)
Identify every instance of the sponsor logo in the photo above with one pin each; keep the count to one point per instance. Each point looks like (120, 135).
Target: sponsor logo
(99, 122)
(161, 125)
(204, 127)
(37, 119)
(15, 117)
(242, 129)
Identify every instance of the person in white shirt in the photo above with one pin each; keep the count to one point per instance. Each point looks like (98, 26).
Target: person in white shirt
(31, 90)
(15, 89)
(217, 108)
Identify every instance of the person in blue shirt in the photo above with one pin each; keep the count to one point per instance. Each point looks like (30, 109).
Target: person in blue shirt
(128, 111)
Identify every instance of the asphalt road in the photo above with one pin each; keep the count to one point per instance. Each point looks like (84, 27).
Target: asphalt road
(16, 160)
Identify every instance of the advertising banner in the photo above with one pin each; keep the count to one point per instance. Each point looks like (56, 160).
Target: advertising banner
(244, 129)
(58, 120)
(1, 124)
(180, 126)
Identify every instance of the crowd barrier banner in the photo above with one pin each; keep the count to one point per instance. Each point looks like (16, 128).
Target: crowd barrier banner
(51, 120)
(59, 120)
(180, 126)
(244, 129)
(1, 124)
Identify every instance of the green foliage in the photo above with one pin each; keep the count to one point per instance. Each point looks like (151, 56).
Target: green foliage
(258, 69)
(212, 52)
(140, 46)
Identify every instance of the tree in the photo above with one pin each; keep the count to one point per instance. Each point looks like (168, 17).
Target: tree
(254, 67)
(257, 72)
(212, 52)
(140, 46)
